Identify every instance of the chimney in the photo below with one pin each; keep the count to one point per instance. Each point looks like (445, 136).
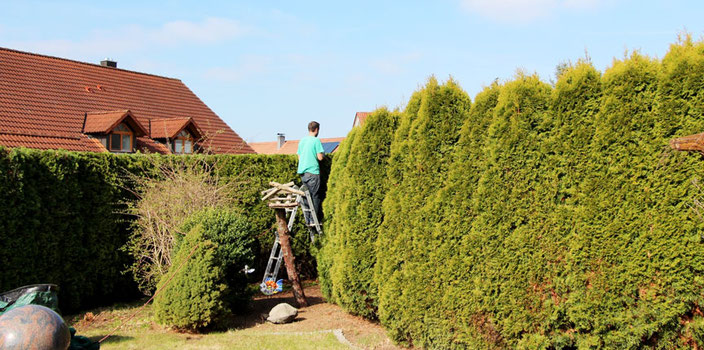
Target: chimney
(281, 138)
(108, 63)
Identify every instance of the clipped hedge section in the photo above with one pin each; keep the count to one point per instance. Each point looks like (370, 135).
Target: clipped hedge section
(560, 219)
(404, 248)
(332, 207)
(59, 224)
(349, 251)
(62, 222)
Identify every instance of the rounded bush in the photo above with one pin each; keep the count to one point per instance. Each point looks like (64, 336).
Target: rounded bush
(192, 294)
(205, 282)
(233, 235)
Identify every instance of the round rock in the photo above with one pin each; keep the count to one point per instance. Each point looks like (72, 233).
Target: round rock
(282, 313)
(33, 327)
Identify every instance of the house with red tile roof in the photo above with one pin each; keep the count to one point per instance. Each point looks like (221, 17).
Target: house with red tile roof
(359, 118)
(54, 103)
(283, 146)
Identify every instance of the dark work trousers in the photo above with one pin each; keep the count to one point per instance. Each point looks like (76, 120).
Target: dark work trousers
(312, 181)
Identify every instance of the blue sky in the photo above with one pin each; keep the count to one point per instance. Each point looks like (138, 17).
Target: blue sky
(272, 66)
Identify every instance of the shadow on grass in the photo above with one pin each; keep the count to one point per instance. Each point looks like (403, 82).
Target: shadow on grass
(113, 339)
(259, 308)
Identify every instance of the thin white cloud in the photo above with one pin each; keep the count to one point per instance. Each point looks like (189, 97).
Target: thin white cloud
(132, 38)
(249, 67)
(212, 30)
(287, 67)
(523, 11)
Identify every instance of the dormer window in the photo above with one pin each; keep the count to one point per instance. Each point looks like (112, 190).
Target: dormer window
(178, 135)
(183, 143)
(121, 139)
(117, 130)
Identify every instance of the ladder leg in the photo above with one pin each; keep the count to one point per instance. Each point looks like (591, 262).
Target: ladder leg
(314, 215)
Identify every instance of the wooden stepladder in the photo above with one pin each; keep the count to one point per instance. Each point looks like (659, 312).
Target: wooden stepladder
(285, 200)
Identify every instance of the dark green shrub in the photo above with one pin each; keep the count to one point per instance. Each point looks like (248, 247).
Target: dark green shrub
(64, 220)
(60, 224)
(233, 235)
(194, 289)
(353, 253)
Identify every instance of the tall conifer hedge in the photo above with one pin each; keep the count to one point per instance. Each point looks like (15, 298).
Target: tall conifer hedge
(431, 139)
(564, 221)
(456, 203)
(354, 256)
(335, 202)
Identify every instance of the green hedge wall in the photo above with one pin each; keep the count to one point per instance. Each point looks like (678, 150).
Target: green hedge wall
(59, 224)
(350, 242)
(560, 219)
(62, 219)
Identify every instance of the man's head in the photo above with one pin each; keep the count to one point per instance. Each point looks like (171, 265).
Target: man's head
(313, 128)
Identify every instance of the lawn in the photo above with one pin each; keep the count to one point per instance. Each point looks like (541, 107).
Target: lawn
(320, 326)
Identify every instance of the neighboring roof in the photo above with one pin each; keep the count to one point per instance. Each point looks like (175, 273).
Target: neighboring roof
(46, 99)
(104, 122)
(264, 147)
(169, 128)
(289, 147)
(360, 118)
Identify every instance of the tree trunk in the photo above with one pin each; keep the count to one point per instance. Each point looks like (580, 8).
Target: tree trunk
(289, 259)
(689, 143)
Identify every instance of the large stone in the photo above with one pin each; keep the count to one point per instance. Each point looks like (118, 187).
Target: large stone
(282, 313)
(33, 327)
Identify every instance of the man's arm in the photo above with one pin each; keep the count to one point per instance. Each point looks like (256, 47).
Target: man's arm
(319, 149)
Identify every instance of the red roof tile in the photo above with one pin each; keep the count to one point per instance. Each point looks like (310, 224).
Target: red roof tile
(265, 147)
(147, 145)
(104, 122)
(83, 143)
(43, 95)
(168, 128)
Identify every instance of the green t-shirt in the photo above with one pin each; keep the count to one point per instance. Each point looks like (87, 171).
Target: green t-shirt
(308, 149)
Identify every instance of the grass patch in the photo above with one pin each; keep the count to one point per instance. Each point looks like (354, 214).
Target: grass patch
(141, 332)
(234, 339)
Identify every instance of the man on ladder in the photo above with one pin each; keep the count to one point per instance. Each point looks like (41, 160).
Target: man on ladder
(310, 152)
